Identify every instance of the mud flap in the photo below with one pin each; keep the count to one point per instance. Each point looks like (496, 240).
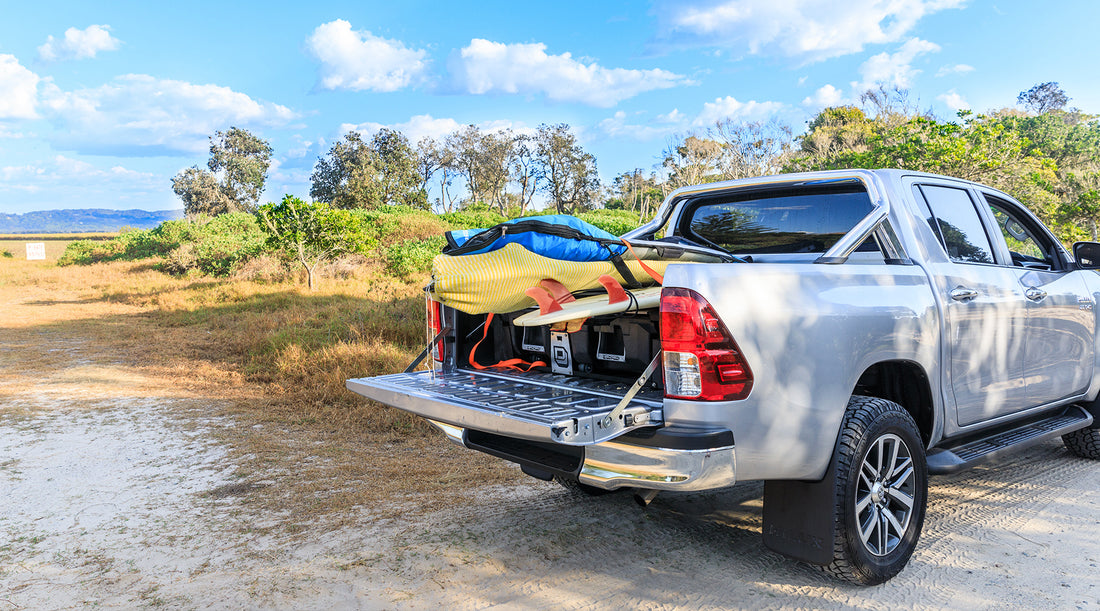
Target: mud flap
(798, 517)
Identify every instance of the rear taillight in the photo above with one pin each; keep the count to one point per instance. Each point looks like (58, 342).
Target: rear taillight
(435, 325)
(701, 360)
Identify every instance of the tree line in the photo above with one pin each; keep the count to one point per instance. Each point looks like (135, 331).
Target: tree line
(1047, 155)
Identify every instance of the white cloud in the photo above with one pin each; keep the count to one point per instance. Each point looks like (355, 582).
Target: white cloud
(137, 114)
(79, 44)
(18, 90)
(65, 174)
(426, 126)
(954, 101)
(894, 69)
(808, 30)
(620, 126)
(361, 61)
(671, 117)
(956, 69)
(485, 67)
(824, 97)
(729, 108)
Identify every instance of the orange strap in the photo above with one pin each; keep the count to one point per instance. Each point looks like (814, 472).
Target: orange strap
(513, 364)
(649, 270)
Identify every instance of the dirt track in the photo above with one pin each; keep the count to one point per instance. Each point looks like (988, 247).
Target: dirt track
(125, 495)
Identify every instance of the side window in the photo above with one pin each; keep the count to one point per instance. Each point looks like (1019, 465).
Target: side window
(1028, 247)
(959, 227)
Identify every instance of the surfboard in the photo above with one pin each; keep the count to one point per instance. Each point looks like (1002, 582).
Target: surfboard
(597, 305)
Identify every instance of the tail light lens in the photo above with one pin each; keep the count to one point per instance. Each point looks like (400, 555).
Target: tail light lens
(435, 325)
(701, 360)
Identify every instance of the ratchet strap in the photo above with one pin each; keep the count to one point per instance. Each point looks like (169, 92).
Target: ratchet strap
(513, 364)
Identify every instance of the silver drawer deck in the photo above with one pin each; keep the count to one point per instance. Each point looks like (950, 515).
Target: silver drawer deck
(540, 407)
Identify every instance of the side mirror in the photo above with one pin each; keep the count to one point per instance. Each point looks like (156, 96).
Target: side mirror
(1087, 254)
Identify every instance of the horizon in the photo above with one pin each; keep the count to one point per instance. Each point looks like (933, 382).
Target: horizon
(105, 104)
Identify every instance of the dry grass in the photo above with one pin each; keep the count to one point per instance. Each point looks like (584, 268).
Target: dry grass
(274, 357)
(16, 243)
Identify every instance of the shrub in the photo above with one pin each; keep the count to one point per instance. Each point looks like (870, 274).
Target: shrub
(617, 222)
(412, 258)
(311, 232)
(215, 246)
(472, 219)
(7, 254)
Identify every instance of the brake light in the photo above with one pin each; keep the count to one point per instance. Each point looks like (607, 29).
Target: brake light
(435, 325)
(701, 359)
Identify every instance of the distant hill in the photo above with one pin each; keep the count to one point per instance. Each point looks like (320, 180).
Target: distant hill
(84, 220)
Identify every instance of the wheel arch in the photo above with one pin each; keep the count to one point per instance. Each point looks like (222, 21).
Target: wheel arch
(907, 384)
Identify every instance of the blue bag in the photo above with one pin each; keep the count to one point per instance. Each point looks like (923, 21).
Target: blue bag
(558, 236)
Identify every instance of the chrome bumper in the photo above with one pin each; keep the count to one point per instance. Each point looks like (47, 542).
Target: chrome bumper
(615, 464)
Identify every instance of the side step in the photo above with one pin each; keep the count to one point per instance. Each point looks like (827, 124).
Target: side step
(953, 459)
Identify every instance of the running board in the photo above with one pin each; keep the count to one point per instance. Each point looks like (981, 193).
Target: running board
(942, 461)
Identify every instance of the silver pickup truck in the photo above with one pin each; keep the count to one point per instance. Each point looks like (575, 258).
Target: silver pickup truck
(862, 330)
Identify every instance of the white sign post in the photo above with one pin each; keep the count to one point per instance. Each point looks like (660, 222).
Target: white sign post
(36, 251)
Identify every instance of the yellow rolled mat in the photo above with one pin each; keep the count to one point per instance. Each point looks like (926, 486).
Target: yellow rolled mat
(495, 281)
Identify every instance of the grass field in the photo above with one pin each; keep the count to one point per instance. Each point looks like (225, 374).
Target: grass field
(55, 243)
(277, 352)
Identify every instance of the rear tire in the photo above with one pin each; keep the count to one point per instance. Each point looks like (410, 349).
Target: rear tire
(1084, 443)
(881, 492)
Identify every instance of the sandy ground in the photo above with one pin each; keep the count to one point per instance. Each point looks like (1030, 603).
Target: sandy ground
(118, 493)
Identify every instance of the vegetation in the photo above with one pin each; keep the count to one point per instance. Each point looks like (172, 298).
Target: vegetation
(237, 173)
(369, 175)
(311, 233)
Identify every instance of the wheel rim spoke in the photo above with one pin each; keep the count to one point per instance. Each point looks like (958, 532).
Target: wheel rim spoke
(903, 479)
(906, 462)
(888, 469)
(868, 527)
(893, 521)
(882, 532)
(901, 497)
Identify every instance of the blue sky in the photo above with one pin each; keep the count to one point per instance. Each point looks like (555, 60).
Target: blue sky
(102, 103)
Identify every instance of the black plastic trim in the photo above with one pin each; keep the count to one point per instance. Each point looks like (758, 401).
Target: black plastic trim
(679, 438)
(554, 458)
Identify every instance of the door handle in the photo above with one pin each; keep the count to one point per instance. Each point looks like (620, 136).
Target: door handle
(963, 294)
(1035, 294)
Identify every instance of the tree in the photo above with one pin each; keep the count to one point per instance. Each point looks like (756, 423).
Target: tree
(637, 192)
(494, 163)
(358, 174)
(463, 148)
(753, 149)
(567, 172)
(201, 193)
(692, 160)
(238, 169)
(396, 169)
(242, 160)
(312, 232)
(524, 171)
(1043, 98)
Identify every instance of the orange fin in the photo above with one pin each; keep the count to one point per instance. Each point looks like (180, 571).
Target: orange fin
(558, 290)
(615, 292)
(547, 303)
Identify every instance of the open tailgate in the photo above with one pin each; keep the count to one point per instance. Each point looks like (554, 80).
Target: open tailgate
(535, 406)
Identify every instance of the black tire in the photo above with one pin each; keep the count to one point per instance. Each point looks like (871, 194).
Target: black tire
(880, 463)
(579, 489)
(1084, 443)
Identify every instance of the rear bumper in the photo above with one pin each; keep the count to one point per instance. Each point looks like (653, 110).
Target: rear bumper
(670, 459)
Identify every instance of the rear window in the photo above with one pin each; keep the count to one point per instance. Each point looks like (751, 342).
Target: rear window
(803, 220)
